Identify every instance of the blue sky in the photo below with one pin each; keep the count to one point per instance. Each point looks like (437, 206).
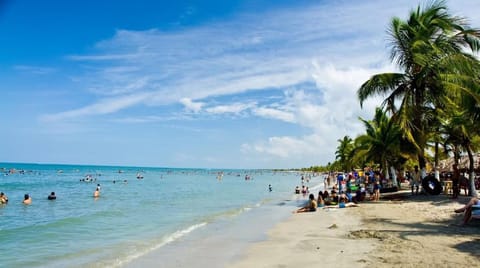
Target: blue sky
(215, 84)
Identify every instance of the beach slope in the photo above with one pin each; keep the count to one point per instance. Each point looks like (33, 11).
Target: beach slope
(398, 231)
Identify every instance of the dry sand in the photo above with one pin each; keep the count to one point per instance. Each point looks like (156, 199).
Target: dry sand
(398, 231)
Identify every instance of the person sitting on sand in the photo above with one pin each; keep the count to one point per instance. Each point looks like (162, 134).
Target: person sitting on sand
(27, 200)
(359, 196)
(52, 196)
(320, 201)
(329, 199)
(343, 198)
(310, 207)
(467, 209)
(334, 196)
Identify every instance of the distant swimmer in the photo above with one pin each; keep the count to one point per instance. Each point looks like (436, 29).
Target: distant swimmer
(96, 193)
(27, 200)
(52, 196)
(270, 188)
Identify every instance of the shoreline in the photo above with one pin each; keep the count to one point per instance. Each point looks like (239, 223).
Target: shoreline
(398, 231)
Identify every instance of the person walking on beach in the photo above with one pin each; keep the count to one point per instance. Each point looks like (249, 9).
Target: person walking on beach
(376, 187)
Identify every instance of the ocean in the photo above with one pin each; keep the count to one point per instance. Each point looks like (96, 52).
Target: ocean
(167, 217)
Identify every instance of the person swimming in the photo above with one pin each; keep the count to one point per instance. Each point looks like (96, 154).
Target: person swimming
(3, 198)
(96, 193)
(27, 200)
(52, 196)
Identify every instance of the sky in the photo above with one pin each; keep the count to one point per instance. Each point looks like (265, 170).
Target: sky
(207, 84)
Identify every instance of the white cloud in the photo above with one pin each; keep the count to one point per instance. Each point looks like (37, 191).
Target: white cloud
(105, 106)
(274, 114)
(335, 44)
(235, 108)
(191, 106)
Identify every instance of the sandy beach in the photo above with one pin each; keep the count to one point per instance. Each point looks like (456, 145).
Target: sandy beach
(398, 231)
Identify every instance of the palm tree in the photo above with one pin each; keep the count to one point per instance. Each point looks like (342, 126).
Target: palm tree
(430, 49)
(381, 143)
(343, 152)
(460, 132)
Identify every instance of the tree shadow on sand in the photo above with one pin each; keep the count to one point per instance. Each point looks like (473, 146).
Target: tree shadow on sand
(467, 237)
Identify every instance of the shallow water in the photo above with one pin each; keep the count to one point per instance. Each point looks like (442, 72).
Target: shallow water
(161, 215)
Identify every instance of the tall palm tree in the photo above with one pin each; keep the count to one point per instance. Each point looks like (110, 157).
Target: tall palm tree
(430, 49)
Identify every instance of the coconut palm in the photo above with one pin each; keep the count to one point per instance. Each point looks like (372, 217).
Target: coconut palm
(343, 152)
(430, 49)
(381, 142)
(461, 134)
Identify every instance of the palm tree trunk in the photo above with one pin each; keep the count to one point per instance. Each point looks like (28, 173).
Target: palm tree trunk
(437, 173)
(394, 175)
(472, 191)
(422, 163)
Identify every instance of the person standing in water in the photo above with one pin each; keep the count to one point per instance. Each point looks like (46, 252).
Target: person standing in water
(96, 194)
(27, 200)
(3, 198)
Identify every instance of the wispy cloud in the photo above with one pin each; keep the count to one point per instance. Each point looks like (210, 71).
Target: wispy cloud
(274, 114)
(105, 106)
(39, 70)
(271, 50)
(234, 108)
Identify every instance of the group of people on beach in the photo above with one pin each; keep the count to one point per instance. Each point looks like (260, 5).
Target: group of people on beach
(313, 204)
(348, 190)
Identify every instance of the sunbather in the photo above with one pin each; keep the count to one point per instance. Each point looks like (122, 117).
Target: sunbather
(467, 209)
(310, 207)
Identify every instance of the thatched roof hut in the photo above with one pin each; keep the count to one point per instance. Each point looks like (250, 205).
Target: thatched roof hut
(463, 163)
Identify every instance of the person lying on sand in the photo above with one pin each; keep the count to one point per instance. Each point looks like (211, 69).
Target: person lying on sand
(310, 207)
(343, 205)
(467, 209)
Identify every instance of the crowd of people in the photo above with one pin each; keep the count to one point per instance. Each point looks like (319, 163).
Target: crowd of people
(348, 191)
(340, 194)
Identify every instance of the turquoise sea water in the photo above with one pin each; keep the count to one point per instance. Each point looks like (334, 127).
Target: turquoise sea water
(137, 222)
